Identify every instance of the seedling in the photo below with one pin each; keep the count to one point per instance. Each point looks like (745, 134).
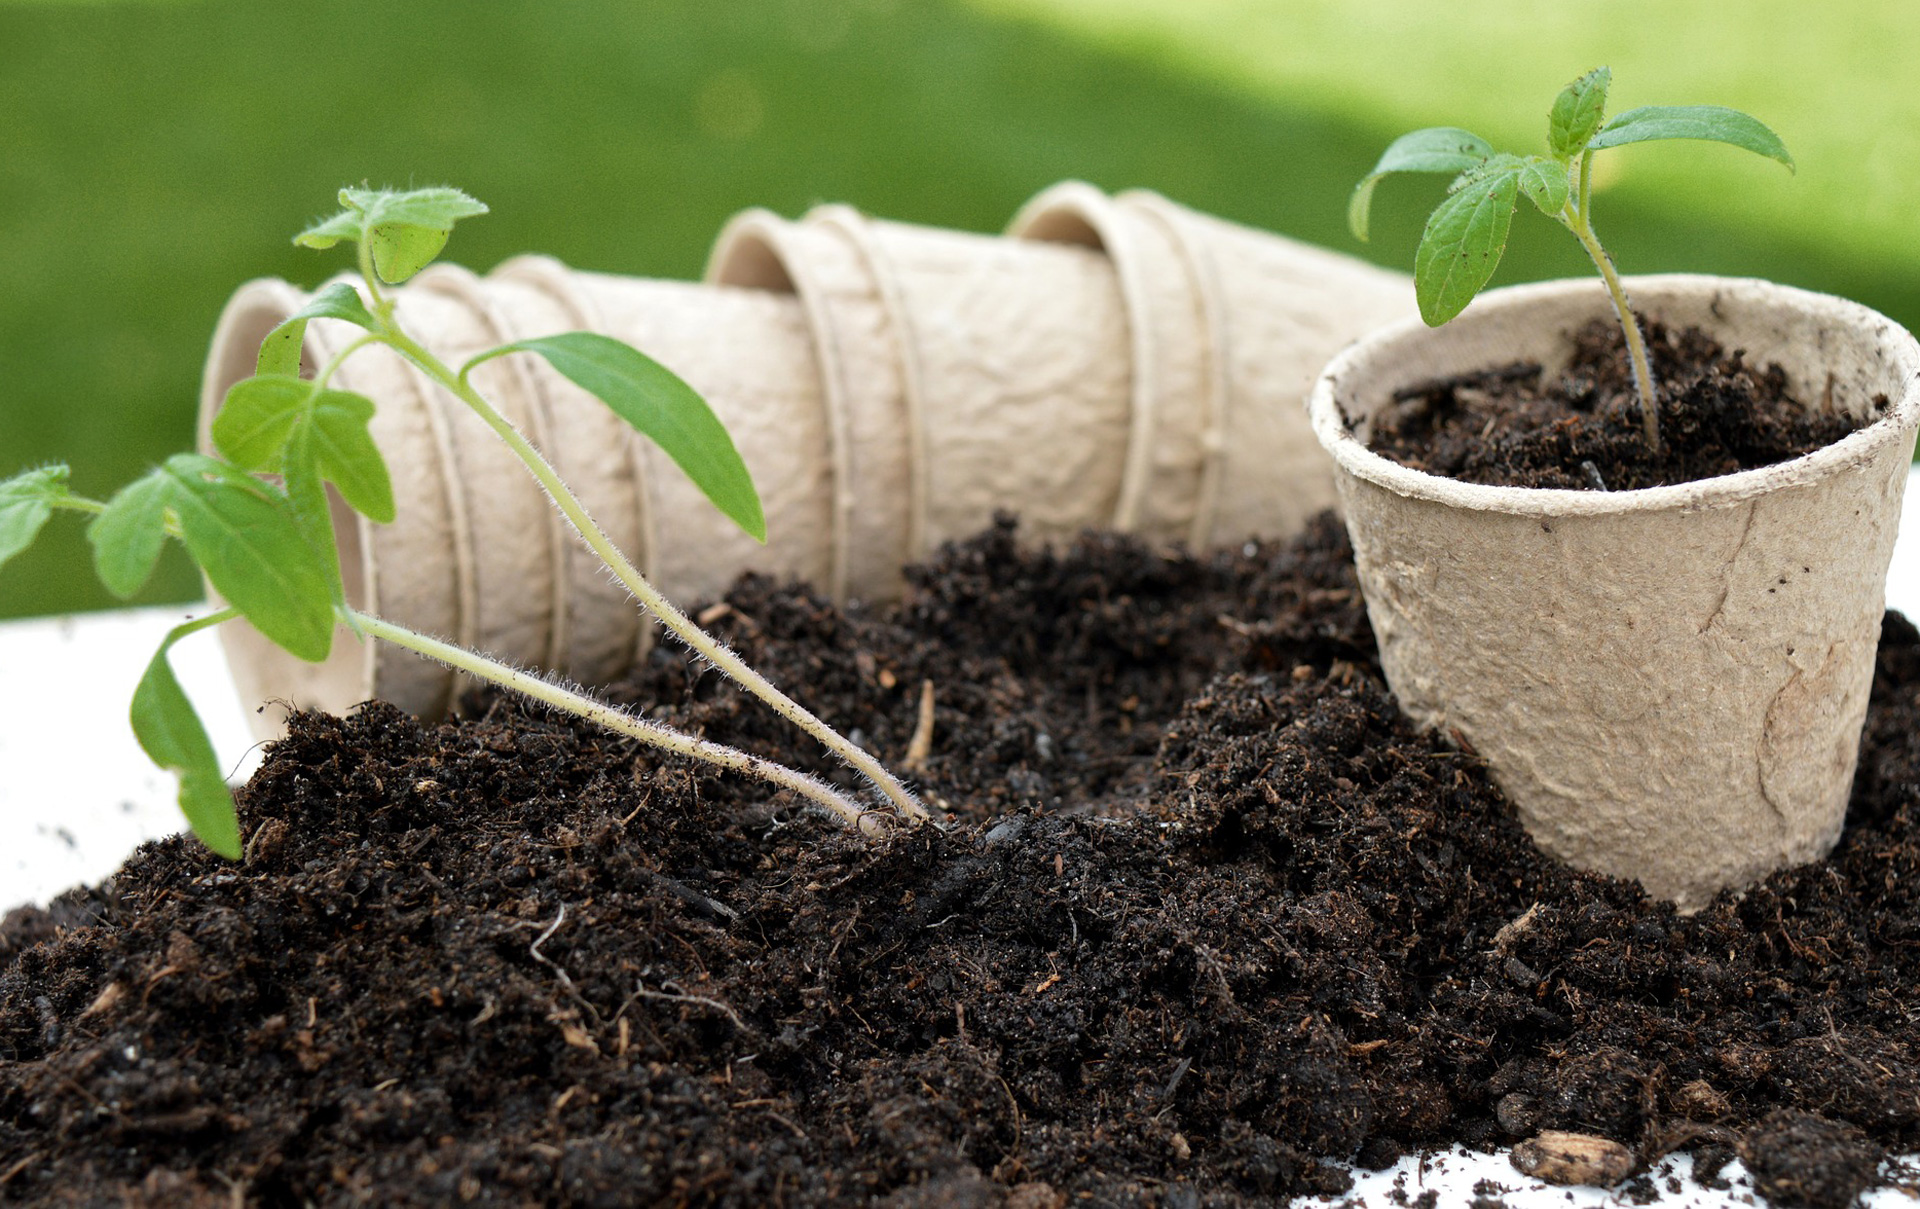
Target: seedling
(1467, 232)
(256, 519)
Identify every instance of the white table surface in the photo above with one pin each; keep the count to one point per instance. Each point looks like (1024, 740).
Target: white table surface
(73, 804)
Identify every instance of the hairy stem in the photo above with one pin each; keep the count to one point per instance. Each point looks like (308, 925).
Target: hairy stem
(650, 733)
(630, 577)
(77, 503)
(325, 375)
(364, 255)
(1577, 218)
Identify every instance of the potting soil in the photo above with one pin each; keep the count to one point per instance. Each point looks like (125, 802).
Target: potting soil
(1209, 914)
(1581, 428)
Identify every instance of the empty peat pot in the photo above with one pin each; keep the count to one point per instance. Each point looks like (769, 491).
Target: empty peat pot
(1668, 683)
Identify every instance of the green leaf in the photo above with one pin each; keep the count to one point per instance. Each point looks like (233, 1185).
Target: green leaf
(1462, 243)
(307, 502)
(400, 251)
(1544, 181)
(655, 401)
(26, 504)
(308, 436)
(245, 538)
(127, 537)
(259, 414)
(264, 416)
(1576, 114)
(170, 731)
(346, 225)
(438, 206)
(1714, 123)
(344, 451)
(1435, 149)
(280, 351)
(403, 231)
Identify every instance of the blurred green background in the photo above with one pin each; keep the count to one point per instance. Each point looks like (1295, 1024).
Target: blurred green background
(155, 155)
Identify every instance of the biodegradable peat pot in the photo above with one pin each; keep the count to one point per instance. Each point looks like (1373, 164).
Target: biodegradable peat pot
(1227, 327)
(1013, 359)
(870, 429)
(1274, 309)
(1669, 684)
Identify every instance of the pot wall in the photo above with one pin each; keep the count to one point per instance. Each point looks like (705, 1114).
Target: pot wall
(1669, 683)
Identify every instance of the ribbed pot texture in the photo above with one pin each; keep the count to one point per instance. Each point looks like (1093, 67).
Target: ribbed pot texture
(1668, 683)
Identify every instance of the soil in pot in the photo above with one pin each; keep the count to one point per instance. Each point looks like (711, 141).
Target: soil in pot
(1213, 913)
(1579, 428)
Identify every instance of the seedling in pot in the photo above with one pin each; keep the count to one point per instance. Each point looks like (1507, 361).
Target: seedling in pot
(257, 519)
(1467, 232)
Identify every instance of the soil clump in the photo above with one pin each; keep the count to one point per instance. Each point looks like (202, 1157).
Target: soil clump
(1211, 916)
(1580, 428)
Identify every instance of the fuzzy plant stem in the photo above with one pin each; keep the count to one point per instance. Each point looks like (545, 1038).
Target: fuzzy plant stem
(1578, 218)
(650, 733)
(629, 575)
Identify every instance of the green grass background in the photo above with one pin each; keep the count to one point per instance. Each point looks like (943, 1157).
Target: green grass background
(153, 156)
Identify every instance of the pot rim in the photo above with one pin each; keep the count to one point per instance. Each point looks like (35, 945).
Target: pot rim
(1855, 449)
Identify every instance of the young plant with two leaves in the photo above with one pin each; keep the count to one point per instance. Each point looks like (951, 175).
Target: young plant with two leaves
(257, 518)
(1467, 232)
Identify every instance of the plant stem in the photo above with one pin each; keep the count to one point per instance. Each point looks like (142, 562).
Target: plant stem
(229, 613)
(1577, 218)
(325, 375)
(630, 577)
(651, 733)
(78, 503)
(364, 254)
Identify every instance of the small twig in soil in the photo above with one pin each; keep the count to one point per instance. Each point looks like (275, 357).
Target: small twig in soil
(648, 797)
(677, 997)
(534, 951)
(1593, 476)
(840, 935)
(109, 995)
(920, 746)
(534, 948)
(797, 1131)
(710, 905)
(6, 1177)
(1019, 1130)
(1179, 1073)
(1513, 929)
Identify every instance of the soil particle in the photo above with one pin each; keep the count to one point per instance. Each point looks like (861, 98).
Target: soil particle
(1802, 1159)
(1211, 920)
(1581, 429)
(1709, 1160)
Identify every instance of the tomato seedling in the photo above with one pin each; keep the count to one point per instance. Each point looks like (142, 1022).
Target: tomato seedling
(1467, 232)
(256, 518)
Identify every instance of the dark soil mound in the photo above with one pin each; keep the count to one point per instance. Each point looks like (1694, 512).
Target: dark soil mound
(1212, 913)
(1581, 429)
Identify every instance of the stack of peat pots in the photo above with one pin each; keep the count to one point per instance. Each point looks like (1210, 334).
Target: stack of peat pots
(1118, 362)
